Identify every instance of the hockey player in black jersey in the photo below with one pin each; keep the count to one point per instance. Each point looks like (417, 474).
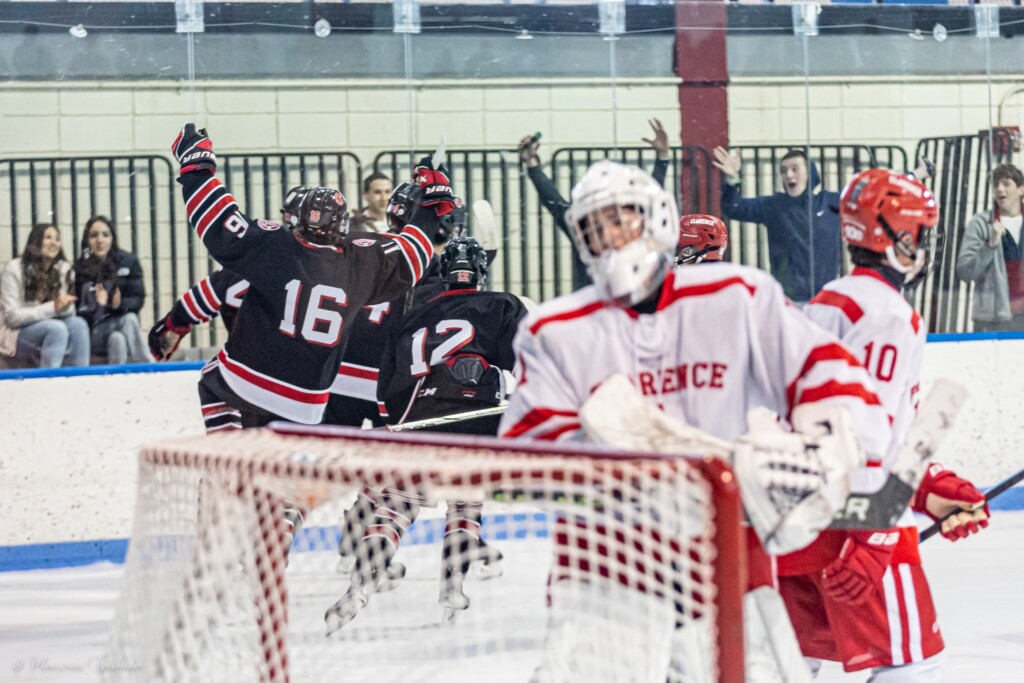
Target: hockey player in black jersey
(447, 356)
(218, 294)
(305, 284)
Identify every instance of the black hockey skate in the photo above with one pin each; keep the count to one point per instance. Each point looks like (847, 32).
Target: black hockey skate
(371, 568)
(463, 552)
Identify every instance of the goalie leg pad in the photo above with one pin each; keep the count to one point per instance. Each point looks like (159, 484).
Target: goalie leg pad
(603, 633)
(773, 654)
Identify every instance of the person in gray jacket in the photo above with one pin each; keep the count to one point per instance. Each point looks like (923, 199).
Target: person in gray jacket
(990, 256)
(37, 307)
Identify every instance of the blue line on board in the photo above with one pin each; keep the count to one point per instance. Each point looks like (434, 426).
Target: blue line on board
(177, 366)
(498, 527)
(139, 368)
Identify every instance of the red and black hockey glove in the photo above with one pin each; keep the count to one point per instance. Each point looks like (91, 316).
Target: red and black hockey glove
(862, 561)
(193, 150)
(435, 187)
(942, 493)
(164, 338)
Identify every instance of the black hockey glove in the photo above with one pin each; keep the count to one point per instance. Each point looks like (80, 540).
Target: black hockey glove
(193, 150)
(435, 186)
(164, 338)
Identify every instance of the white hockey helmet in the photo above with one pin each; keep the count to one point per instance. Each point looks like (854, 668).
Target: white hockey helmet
(625, 227)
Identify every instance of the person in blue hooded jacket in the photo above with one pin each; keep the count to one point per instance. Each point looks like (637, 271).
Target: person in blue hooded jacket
(801, 258)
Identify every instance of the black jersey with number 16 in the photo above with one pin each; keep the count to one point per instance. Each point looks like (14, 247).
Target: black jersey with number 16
(289, 337)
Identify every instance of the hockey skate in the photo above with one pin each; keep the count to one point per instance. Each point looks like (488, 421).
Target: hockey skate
(464, 553)
(371, 571)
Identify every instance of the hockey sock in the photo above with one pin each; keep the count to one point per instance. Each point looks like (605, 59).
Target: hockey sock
(355, 521)
(382, 537)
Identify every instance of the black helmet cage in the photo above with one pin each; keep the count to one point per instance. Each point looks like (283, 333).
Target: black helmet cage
(463, 264)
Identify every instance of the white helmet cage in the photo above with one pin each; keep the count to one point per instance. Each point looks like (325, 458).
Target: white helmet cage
(626, 229)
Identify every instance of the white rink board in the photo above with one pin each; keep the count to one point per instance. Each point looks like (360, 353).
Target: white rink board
(69, 444)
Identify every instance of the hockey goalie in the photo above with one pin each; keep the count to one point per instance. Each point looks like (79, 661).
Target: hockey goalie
(701, 348)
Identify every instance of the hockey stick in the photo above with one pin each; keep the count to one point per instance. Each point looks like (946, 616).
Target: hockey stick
(882, 510)
(616, 414)
(485, 225)
(991, 494)
(445, 419)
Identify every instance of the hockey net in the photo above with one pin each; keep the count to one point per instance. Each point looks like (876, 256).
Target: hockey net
(617, 566)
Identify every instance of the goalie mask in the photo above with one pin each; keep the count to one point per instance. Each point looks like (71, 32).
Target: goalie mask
(626, 230)
(323, 216)
(463, 264)
(701, 238)
(891, 214)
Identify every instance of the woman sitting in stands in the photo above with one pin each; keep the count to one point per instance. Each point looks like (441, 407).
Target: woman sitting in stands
(108, 282)
(37, 307)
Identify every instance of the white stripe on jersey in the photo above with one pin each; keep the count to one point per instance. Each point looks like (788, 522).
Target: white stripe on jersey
(892, 615)
(913, 616)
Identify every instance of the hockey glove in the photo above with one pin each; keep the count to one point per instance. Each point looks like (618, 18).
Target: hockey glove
(164, 338)
(858, 570)
(942, 493)
(435, 186)
(193, 150)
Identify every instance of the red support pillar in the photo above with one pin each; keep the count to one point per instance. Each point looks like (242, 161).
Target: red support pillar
(701, 62)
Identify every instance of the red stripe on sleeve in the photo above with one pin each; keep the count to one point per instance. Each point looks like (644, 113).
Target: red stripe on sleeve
(210, 295)
(415, 264)
(817, 355)
(915, 321)
(832, 388)
(193, 308)
(213, 213)
(200, 195)
(417, 235)
(850, 308)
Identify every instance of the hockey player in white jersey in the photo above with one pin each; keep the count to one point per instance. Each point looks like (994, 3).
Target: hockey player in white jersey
(861, 597)
(705, 345)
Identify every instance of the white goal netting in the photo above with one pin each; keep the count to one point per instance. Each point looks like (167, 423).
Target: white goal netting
(578, 564)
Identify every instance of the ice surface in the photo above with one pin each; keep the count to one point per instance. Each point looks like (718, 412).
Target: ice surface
(53, 623)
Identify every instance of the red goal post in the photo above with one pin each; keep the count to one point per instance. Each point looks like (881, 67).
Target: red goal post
(620, 545)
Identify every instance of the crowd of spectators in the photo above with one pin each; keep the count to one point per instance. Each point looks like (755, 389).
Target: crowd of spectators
(57, 313)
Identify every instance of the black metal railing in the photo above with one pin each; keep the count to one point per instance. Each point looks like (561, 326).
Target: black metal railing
(961, 185)
(835, 164)
(139, 193)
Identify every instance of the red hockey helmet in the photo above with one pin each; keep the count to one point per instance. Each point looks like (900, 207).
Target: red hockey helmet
(892, 214)
(701, 238)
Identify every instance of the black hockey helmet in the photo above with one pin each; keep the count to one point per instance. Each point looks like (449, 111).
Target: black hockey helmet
(400, 206)
(452, 225)
(463, 264)
(290, 205)
(323, 216)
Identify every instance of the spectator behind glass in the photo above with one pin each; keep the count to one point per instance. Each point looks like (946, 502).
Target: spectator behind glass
(990, 256)
(108, 282)
(377, 190)
(785, 216)
(37, 310)
(556, 205)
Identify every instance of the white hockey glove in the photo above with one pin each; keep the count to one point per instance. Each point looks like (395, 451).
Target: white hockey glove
(793, 483)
